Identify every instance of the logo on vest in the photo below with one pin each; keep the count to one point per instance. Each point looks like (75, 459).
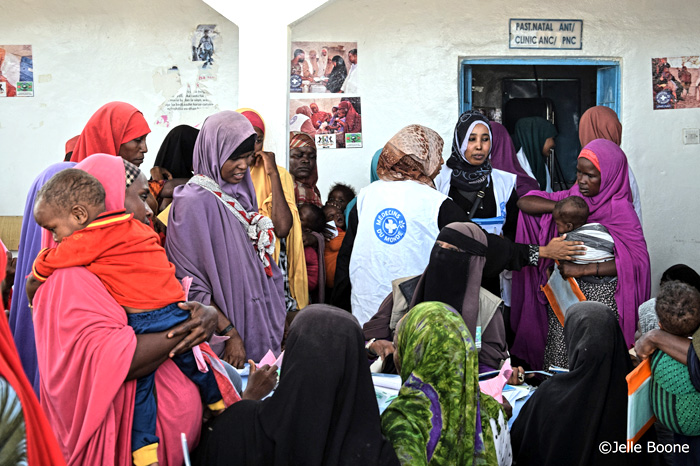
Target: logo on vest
(390, 226)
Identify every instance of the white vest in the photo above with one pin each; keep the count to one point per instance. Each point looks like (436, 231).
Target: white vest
(397, 228)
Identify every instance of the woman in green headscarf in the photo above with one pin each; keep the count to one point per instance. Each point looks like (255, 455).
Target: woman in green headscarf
(534, 140)
(440, 417)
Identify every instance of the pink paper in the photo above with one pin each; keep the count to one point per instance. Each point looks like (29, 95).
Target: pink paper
(494, 386)
(268, 359)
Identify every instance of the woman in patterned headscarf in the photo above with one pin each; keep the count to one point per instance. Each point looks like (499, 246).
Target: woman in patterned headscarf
(440, 416)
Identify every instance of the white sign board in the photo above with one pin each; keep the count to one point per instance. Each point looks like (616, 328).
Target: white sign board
(546, 33)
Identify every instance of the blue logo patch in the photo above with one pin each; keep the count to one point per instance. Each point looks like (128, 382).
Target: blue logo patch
(390, 226)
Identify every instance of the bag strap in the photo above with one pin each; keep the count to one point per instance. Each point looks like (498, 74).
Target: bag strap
(477, 203)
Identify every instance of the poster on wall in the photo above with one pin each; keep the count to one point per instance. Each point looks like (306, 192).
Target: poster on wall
(333, 122)
(324, 67)
(16, 71)
(676, 82)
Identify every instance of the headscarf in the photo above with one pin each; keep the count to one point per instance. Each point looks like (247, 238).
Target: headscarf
(594, 392)
(612, 208)
(599, 123)
(503, 157)
(175, 154)
(465, 176)
(335, 422)
(683, 273)
(305, 189)
(84, 349)
(304, 110)
(207, 241)
(131, 172)
(530, 134)
(352, 118)
(338, 75)
(296, 265)
(440, 416)
(414, 153)
(112, 125)
(70, 144)
(21, 322)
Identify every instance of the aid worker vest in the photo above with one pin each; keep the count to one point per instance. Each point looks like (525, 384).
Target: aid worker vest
(397, 228)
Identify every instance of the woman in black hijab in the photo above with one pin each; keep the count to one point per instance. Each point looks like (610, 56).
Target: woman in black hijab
(338, 74)
(323, 412)
(173, 165)
(572, 414)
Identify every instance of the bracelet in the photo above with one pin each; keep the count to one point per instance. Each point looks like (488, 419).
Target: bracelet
(597, 264)
(226, 330)
(367, 347)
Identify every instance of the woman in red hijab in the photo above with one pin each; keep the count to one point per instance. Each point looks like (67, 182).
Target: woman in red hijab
(117, 128)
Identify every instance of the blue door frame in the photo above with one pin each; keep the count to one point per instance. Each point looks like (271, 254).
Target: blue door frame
(608, 87)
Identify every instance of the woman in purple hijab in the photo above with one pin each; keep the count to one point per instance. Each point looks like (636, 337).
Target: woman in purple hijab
(21, 322)
(602, 181)
(217, 237)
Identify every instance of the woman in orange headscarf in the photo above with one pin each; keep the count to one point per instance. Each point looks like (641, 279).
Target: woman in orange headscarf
(117, 128)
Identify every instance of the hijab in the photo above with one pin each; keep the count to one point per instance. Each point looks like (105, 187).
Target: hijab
(254, 117)
(530, 135)
(207, 241)
(352, 118)
(112, 125)
(39, 442)
(414, 153)
(612, 208)
(440, 416)
(465, 176)
(599, 123)
(338, 74)
(569, 415)
(503, 157)
(335, 422)
(175, 154)
(304, 110)
(21, 322)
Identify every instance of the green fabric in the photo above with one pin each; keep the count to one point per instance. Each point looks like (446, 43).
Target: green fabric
(531, 133)
(13, 435)
(434, 347)
(696, 342)
(674, 399)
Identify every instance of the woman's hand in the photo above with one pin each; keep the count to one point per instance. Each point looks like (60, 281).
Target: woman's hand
(571, 270)
(269, 163)
(198, 328)
(517, 377)
(234, 351)
(261, 381)
(561, 250)
(160, 173)
(383, 348)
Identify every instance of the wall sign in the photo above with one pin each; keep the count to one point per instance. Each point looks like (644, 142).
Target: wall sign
(546, 33)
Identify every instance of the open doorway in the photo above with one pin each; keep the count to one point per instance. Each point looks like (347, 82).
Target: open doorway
(559, 90)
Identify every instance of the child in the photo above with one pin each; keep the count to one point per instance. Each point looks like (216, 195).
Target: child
(341, 195)
(674, 399)
(333, 214)
(312, 220)
(648, 319)
(114, 246)
(571, 214)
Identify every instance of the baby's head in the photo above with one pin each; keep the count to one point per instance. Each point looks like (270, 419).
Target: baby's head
(341, 195)
(570, 213)
(678, 308)
(69, 202)
(333, 212)
(312, 219)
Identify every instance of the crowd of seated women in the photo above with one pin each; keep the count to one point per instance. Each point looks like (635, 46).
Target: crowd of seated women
(433, 271)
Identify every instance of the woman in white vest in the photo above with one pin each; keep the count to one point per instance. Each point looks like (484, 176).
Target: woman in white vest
(487, 195)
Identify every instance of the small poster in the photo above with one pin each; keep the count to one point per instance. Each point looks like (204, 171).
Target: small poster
(675, 82)
(205, 43)
(333, 122)
(324, 67)
(16, 71)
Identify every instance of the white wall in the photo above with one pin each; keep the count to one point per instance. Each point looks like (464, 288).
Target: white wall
(87, 53)
(409, 53)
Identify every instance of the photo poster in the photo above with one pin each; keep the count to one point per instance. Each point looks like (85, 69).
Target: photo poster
(675, 82)
(333, 122)
(16, 71)
(206, 40)
(324, 67)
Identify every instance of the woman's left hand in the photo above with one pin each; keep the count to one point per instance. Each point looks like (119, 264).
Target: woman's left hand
(198, 328)
(571, 270)
(517, 377)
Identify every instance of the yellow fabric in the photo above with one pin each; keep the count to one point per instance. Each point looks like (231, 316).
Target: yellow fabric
(146, 455)
(298, 279)
(163, 216)
(218, 406)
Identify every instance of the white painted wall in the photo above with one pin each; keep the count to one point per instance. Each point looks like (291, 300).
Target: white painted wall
(409, 53)
(87, 53)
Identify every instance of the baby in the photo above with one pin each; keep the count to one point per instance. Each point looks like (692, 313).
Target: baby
(674, 398)
(312, 220)
(333, 214)
(571, 214)
(341, 195)
(127, 257)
